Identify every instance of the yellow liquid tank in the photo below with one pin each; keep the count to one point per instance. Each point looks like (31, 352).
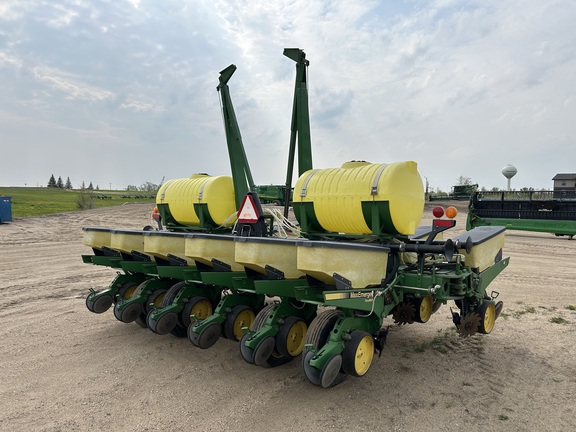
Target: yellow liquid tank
(343, 198)
(181, 195)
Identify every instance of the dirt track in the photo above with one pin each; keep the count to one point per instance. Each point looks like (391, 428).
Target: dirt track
(66, 369)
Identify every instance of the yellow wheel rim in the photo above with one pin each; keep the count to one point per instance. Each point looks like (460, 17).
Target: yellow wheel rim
(243, 319)
(158, 300)
(129, 292)
(489, 318)
(364, 355)
(295, 340)
(425, 310)
(201, 310)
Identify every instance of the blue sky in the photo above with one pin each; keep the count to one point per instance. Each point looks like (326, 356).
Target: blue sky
(119, 92)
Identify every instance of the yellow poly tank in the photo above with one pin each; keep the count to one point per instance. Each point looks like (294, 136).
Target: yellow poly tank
(341, 197)
(181, 195)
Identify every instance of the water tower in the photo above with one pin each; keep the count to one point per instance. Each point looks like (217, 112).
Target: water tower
(509, 171)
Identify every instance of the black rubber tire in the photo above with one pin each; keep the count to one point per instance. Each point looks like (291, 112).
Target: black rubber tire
(129, 314)
(208, 336)
(261, 317)
(231, 318)
(141, 321)
(246, 353)
(318, 334)
(330, 374)
(101, 304)
(320, 328)
(264, 350)
(171, 322)
(350, 353)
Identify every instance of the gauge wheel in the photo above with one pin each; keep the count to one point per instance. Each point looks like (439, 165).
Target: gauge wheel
(358, 353)
(154, 300)
(487, 312)
(424, 307)
(240, 317)
(290, 337)
(200, 307)
(126, 291)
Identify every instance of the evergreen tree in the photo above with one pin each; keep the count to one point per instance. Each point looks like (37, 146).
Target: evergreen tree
(60, 183)
(52, 181)
(68, 183)
(90, 186)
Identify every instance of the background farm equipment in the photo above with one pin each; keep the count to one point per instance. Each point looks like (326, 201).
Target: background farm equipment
(538, 211)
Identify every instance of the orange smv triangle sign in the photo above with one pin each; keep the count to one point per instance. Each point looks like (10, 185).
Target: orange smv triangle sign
(248, 212)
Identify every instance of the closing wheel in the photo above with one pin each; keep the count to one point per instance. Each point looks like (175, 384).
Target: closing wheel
(246, 352)
(207, 337)
(290, 337)
(199, 307)
(331, 371)
(100, 305)
(164, 325)
(240, 316)
(310, 372)
(487, 312)
(129, 314)
(424, 306)
(358, 353)
(264, 350)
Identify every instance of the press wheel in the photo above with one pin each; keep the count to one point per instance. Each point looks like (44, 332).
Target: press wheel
(487, 312)
(290, 337)
(358, 353)
(241, 316)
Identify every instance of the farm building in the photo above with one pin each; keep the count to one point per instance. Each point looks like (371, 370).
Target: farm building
(565, 185)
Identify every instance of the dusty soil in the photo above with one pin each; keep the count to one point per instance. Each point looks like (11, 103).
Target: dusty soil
(65, 368)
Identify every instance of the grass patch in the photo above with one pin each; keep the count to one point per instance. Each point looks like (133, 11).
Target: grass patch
(558, 320)
(503, 417)
(571, 307)
(526, 310)
(29, 201)
(438, 343)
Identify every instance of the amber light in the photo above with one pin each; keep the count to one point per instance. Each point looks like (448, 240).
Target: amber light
(451, 212)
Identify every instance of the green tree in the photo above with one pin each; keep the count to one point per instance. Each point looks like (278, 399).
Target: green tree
(52, 181)
(60, 183)
(68, 184)
(90, 186)
(463, 181)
